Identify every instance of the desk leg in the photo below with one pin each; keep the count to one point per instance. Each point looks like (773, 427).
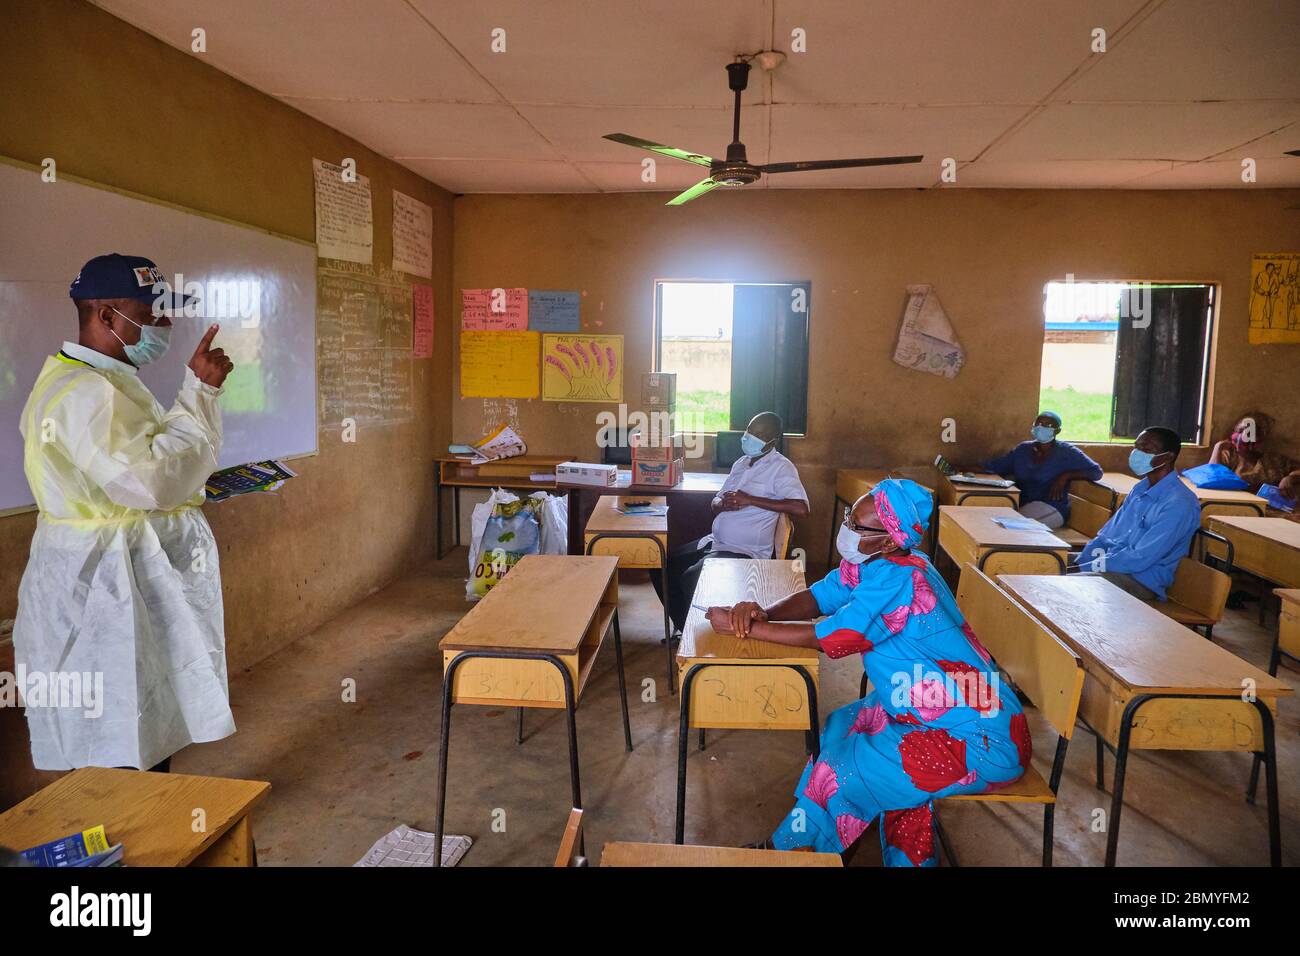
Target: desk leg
(835, 528)
(622, 683)
(449, 681)
(455, 515)
(1269, 758)
(437, 512)
(684, 729)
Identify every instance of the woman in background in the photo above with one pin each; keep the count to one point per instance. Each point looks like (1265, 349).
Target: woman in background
(1243, 452)
(1043, 469)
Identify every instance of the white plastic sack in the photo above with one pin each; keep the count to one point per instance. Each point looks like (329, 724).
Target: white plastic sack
(554, 512)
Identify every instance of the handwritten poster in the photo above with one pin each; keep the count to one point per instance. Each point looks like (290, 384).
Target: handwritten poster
(1275, 298)
(345, 227)
(412, 236)
(487, 309)
(422, 320)
(582, 368)
(550, 311)
(498, 364)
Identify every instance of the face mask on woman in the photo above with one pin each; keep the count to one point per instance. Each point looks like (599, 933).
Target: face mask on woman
(846, 543)
(153, 343)
(1043, 433)
(1239, 442)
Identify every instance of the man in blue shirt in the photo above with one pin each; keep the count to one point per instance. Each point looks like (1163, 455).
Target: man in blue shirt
(1043, 469)
(1139, 548)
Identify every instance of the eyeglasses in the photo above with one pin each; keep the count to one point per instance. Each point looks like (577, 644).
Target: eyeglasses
(858, 528)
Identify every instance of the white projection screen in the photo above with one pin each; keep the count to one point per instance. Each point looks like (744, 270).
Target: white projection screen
(263, 286)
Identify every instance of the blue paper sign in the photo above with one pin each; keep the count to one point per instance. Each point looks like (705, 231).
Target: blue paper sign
(550, 311)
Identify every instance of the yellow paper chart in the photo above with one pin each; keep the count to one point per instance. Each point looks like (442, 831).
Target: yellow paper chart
(498, 364)
(1275, 298)
(582, 368)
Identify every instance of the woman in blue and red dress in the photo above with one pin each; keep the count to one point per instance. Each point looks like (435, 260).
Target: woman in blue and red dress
(938, 722)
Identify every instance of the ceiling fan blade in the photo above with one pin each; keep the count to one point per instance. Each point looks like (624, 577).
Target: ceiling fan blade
(838, 163)
(699, 189)
(699, 159)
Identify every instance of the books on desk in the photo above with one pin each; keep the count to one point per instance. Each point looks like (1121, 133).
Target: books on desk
(89, 848)
(945, 467)
(502, 442)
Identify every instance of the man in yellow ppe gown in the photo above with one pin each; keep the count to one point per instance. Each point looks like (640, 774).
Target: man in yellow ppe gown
(123, 582)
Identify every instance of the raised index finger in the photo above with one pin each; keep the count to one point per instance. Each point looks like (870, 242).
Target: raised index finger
(207, 339)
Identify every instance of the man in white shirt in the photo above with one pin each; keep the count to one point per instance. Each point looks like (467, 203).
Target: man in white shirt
(763, 483)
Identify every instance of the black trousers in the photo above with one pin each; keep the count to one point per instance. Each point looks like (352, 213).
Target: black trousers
(684, 566)
(163, 766)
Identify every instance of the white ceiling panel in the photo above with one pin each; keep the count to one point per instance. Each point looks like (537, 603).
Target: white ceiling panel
(579, 133)
(659, 52)
(1009, 88)
(502, 176)
(332, 49)
(937, 51)
(434, 130)
(1202, 50)
(1174, 131)
(1069, 174)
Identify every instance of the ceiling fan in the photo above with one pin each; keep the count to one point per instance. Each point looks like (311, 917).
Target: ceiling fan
(736, 169)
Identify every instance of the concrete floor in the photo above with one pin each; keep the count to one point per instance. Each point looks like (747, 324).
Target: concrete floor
(344, 774)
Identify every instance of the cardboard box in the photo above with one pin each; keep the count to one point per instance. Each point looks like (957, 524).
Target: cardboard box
(655, 447)
(655, 424)
(658, 474)
(586, 473)
(659, 390)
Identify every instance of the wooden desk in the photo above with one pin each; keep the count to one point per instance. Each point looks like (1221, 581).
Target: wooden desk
(852, 483)
(1108, 491)
(150, 814)
(638, 541)
(972, 536)
(532, 642)
(959, 493)
(1153, 684)
(746, 688)
(1268, 548)
(689, 517)
(509, 473)
(1287, 640)
(1226, 503)
(671, 854)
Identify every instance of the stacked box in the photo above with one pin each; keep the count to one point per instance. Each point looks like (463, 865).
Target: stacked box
(658, 474)
(659, 391)
(586, 473)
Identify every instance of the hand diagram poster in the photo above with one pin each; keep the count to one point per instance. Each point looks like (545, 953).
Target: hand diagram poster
(1275, 298)
(582, 368)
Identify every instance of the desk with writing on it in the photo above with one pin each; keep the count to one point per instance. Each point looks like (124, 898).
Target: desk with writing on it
(749, 684)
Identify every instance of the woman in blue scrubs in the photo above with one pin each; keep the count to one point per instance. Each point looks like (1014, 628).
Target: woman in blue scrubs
(1043, 469)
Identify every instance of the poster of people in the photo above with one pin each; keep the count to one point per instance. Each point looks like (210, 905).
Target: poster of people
(1275, 298)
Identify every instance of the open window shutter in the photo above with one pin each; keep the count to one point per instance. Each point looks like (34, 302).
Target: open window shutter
(1159, 366)
(769, 354)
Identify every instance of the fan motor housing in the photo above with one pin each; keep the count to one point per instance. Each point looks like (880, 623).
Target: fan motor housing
(735, 174)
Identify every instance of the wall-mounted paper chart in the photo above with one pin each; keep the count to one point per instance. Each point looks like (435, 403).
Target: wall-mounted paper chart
(494, 309)
(551, 311)
(498, 364)
(582, 368)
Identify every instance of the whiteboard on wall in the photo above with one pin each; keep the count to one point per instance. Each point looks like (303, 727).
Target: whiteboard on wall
(261, 286)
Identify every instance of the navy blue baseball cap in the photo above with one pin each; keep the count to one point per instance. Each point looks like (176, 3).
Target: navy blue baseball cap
(116, 276)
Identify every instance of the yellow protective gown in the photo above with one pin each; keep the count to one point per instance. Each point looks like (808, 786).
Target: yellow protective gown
(123, 578)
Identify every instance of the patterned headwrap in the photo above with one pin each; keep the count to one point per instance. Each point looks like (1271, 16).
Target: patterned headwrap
(904, 508)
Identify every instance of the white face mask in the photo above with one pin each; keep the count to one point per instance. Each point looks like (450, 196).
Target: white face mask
(846, 542)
